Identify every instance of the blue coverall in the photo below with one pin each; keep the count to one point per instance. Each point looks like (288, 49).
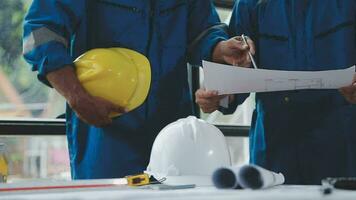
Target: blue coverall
(308, 134)
(58, 31)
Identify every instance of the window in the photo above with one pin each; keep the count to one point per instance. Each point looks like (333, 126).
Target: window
(39, 157)
(22, 96)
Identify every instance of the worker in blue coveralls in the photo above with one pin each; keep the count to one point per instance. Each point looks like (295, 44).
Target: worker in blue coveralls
(307, 135)
(58, 31)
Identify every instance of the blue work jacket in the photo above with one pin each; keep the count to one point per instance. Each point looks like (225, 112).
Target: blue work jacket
(307, 134)
(58, 31)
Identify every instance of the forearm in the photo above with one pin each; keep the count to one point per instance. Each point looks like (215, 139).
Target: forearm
(205, 31)
(67, 84)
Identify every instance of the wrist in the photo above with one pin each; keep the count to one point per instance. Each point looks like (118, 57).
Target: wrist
(76, 95)
(218, 53)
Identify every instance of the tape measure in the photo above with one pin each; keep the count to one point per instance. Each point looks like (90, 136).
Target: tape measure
(138, 180)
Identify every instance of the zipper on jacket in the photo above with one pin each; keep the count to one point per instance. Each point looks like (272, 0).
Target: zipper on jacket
(125, 7)
(151, 21)
(148, 47)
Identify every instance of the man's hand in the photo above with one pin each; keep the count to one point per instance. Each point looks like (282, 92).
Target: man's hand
(349, 92)
(234, 51)
(92, 110)
(209, 101)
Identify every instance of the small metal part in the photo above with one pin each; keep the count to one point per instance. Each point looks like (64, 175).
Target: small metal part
(249, 53)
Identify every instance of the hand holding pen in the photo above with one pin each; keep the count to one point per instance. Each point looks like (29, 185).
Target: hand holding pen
(237, 51)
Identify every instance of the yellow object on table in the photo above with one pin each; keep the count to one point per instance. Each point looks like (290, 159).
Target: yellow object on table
(4, 168)
(138, 180)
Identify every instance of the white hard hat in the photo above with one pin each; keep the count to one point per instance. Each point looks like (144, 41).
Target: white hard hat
(187, 152)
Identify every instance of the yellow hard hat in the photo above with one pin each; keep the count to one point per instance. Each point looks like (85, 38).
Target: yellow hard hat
(121, 76)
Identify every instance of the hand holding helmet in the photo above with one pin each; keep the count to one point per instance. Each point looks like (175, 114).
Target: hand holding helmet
(94, 110)
(105, 83)
(118, 75)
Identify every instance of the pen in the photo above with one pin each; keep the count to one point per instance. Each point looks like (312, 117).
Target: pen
(249, 53)
(345, 183)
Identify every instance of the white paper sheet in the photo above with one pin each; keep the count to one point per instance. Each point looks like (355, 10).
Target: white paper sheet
(227, 79)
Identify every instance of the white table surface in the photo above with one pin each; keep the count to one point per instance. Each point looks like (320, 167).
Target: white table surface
(207, 193)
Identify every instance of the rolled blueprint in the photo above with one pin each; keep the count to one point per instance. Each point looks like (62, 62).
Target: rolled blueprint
(226, 178)
(247, 176)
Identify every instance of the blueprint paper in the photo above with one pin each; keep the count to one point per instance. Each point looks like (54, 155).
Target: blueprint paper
(267, 178)
(227, 79)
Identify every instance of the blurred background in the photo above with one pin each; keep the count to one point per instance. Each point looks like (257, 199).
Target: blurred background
(23, 97)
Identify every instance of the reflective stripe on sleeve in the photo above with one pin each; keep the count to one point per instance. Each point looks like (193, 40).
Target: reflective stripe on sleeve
(41, 36)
